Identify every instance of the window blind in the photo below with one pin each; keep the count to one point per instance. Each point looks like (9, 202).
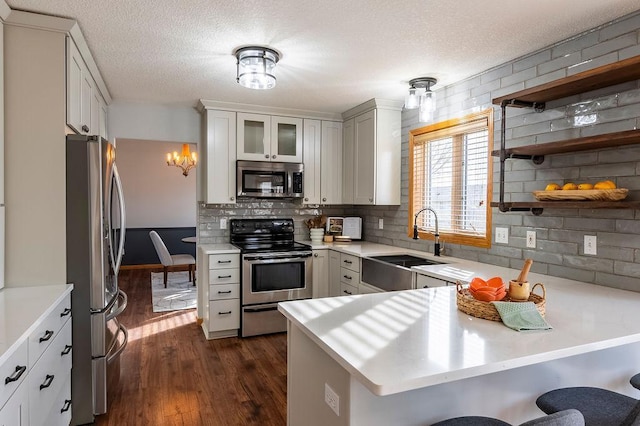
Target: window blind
(451, 168)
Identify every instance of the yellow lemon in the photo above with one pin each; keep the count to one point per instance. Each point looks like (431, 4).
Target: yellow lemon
(607, 184)
(585, 186)
(552, 187)
(569, 186)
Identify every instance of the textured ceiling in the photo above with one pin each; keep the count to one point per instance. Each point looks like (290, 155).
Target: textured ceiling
(335, 53)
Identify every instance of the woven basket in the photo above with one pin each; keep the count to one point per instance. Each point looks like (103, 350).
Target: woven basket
(485, 310)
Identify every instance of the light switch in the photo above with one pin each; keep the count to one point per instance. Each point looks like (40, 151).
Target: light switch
(590, 245)
(502, 235)
(380, 223)
(223, 223)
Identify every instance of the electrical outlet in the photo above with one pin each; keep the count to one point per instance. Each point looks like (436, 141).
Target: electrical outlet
(380, 223)
(502, 235)
(223, 223)
(332, 399)
(590, 243)
(531, 239)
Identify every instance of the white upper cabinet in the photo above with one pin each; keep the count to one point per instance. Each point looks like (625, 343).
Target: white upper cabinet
(269, 138)
(322, 162)
(331, 163)
(312, 161)
(217, 168)
(372, 153)
(85, 103)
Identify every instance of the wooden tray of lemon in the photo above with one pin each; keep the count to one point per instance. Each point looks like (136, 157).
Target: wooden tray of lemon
(601, 191)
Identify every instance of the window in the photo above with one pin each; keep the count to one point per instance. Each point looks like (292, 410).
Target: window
(450, 170)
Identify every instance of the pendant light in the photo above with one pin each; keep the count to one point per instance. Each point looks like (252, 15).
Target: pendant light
(421, 96)
(255, 66)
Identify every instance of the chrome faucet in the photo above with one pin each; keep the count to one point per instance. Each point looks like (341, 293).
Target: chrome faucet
(436, 247)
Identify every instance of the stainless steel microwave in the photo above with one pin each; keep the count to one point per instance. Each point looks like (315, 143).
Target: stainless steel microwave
(265, 179)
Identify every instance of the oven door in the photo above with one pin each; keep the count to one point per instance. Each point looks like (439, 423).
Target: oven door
(276, 277)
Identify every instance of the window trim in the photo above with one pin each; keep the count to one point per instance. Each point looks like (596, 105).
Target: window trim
(448, 127)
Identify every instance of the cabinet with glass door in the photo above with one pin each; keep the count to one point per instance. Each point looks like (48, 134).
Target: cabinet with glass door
(264, 137)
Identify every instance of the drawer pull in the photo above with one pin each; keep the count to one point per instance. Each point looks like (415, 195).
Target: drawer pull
(47, 336)
(67, 349)
(224, 292)
(66, 406)
(223, 276)
(224, 261)
(348, 261)
(224, 313)
(47, 381)
(347, 291)
(66, 312)
(16, 374)
(347, 277)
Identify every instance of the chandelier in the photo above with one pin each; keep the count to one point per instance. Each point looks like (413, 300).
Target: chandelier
(186, 161)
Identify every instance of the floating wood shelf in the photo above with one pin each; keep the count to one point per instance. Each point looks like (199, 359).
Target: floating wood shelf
(537, 206)
(536, 97)
(610, 140)
(597, 78)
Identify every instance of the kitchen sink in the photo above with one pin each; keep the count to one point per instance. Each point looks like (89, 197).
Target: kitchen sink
(406, 260)
(392, 272)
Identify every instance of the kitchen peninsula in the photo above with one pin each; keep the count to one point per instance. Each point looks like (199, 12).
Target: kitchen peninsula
(412, 358)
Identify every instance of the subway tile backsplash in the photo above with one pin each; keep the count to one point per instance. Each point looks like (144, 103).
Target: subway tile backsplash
(559, 232)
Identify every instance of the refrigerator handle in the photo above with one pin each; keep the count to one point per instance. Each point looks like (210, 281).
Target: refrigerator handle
(112, 356)
(121, 305)
(123, 227)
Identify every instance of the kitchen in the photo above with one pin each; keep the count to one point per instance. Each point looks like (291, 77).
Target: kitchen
(559, 234)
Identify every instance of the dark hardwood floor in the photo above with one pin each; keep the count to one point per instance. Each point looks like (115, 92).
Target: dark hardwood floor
(171, 375)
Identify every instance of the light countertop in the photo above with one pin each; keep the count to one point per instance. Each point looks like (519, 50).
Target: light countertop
(400, 341)
(452, 269)
(218, 248)
(20, 309)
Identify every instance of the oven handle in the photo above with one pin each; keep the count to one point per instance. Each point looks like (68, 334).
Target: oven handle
(285, 258)
(252, 310)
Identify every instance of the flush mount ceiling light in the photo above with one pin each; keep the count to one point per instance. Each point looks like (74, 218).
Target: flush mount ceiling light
(255, 67)
(421, 96)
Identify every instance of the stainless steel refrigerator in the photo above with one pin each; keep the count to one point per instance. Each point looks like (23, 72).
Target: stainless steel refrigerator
(95, 246)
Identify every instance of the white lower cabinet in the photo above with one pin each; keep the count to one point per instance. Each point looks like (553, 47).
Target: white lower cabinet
(320, 273)
(37, 373)
(425, 281)
(16, 411)
(334, 273)
(222, 294)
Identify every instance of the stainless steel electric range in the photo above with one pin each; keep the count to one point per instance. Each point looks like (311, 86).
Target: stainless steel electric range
(275, 269)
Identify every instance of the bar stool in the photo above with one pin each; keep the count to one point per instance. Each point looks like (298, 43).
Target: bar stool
(598, 406)
(635, 381)
(568, 417)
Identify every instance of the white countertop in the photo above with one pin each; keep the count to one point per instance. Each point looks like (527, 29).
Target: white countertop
(401, 341)
(452, 269)
(20, 308)
(218, 248)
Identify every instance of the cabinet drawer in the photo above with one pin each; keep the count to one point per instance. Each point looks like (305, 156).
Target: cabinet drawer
(15, 369)
(224, 276)
(350, 277)
(224, 291)
(48, 329)
(350, 262)
(224, 315)
(348, 290)
(60, 414)
(221, 261)
(47, 378)
(425, 281)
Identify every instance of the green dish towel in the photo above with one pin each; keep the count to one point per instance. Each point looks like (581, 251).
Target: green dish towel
(521, 316)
